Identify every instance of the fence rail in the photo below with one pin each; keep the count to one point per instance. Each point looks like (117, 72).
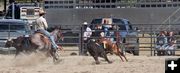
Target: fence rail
(84, 4)
(146, 36)
(148, 32)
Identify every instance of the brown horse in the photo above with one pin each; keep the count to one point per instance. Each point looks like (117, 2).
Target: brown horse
(111, 48)
(36, 42)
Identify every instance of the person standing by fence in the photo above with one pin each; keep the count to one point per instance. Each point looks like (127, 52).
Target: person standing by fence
(86, 36)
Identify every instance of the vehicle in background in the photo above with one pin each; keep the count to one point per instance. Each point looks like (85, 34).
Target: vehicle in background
(21, 11)
(128, 34)
(11, 29)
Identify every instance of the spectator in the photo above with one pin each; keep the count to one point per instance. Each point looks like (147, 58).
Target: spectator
(161, 42)
(171, 43)
(165, 33)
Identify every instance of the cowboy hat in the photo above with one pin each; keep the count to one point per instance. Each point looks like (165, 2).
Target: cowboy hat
(41, 11)
(85, 23)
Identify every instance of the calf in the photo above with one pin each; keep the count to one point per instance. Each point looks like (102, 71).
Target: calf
(96, 51)
(22, 44)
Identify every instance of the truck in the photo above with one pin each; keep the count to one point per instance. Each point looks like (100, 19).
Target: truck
(11, 29)
(128, 34)
(23, 12)
(17, 20)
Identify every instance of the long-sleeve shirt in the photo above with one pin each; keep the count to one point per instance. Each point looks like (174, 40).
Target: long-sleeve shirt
(41, 23)
(87, 33)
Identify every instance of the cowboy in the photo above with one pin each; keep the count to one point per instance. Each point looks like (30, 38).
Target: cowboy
(88, 32)
(86, 35)
(41, 26)
(98, 34)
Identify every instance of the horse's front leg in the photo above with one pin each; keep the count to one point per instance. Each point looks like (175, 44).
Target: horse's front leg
(118, 54)
(54, 55)
(122, 54)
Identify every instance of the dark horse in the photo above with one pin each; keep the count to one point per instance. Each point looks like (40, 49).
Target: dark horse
(36, 42)
(112, 48)
(96, 50)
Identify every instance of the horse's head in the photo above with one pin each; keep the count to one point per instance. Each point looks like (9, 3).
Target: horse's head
(60, 35)
(57, 33)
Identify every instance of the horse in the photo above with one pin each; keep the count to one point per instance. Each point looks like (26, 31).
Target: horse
(111, 48)
(36, 42)
(96, 50)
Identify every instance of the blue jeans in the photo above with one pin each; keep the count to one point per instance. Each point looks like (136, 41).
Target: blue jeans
(51, 38)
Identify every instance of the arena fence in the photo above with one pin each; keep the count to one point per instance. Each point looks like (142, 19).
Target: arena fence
(147, 36)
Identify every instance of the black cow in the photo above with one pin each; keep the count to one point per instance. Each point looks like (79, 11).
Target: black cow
(96, 51)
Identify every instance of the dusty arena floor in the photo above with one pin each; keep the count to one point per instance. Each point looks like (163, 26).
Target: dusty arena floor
(36, 63)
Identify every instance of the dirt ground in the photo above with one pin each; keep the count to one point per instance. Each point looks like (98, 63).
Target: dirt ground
(36, 63)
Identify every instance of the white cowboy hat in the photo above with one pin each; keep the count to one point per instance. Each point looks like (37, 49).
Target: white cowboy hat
(41, 11)
(85, 23)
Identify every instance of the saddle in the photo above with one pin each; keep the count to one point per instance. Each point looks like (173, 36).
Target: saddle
(38, 32)
(43, 37)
